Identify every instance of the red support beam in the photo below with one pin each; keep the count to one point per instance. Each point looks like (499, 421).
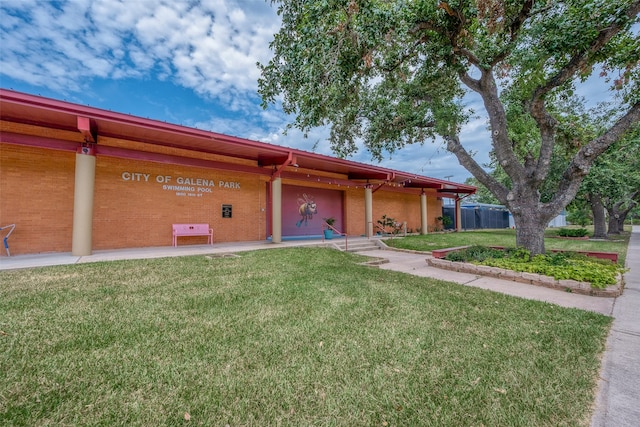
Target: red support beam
(85, 128)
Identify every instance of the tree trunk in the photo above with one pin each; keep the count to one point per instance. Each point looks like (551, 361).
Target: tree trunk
(624, 212)
(530, 228)
(613, 227)
(614, 218)
(599, 219)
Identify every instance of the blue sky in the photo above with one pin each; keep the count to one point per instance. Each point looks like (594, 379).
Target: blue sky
(185, 62)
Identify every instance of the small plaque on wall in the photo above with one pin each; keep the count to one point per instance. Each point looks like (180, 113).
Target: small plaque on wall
(227, 211)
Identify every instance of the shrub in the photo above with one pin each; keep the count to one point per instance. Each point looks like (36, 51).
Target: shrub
(562, 265)
(386, 223)
(446, 221)
(474, 253)
(572, 232)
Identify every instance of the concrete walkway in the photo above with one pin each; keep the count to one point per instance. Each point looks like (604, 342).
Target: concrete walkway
(618, 400)
(415, 264)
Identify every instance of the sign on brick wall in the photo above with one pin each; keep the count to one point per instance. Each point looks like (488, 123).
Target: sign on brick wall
(182, 186)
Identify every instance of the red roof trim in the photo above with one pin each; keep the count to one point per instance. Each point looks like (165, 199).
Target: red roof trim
(128, 127)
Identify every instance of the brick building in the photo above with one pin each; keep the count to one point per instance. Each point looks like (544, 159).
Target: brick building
(76, 179)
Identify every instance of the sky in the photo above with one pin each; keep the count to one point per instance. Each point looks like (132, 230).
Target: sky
(185, 62)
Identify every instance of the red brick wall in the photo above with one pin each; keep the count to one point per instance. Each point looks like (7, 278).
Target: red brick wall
(399, 206)
(36, 193)
(37, 190)
(134, 212)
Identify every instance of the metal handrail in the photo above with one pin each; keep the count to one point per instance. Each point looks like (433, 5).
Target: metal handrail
(373, 226)
(340, 233)
(381, 228)
(384, 232)
(6, 244)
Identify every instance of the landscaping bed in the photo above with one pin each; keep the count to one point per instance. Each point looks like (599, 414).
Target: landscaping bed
(573, 272)
(611, 256)
(507, 238)
(569, 285)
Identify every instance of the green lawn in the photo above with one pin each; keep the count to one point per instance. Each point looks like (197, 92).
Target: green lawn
(507, 238)
(290, 337)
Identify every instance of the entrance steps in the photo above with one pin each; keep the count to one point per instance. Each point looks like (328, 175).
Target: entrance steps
(358, 245)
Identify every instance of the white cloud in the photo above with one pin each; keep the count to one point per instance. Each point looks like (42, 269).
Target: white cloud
(209, 47)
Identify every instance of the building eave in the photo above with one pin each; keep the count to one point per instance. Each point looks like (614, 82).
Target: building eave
(93, 124)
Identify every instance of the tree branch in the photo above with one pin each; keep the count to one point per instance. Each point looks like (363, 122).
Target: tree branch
(547, 125)
(579, 60)
(514, 30)
(469, 81)
(488, 90)
(584, 158)
(469, 163)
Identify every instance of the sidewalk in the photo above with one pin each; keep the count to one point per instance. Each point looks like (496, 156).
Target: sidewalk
(66, 258)
(618, 399)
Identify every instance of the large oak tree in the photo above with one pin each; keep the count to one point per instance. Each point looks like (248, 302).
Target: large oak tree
(388, 73)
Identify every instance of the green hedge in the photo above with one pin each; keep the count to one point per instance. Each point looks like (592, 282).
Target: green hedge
(572, 232)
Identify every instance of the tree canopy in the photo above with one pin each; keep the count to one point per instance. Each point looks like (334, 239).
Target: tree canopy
(389, 73)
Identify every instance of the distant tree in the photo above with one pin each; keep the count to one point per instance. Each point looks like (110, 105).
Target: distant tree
(390, 73)
(614, 184)
(618, 212)
(578, 212)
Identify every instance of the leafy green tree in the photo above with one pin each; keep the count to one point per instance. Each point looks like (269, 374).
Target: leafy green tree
(389, 73)
(619, 211)
(578, 213)
(613, 183)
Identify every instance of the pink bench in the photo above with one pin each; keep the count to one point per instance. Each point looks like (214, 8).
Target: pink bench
(192, 230)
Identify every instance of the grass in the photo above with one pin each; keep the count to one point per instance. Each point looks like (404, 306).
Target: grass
(507, 238)
(298, 336)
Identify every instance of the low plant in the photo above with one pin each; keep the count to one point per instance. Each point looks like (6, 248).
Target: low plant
(445, 220)
(573, 232)
(562, 265)
(599, 273)
(507, 238)
(389, 225)
(474, 253)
